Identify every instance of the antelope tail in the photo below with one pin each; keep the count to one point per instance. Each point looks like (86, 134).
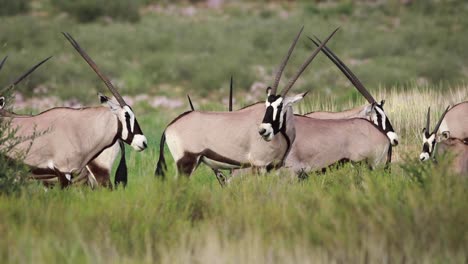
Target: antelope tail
(161, 167)
(389, 155)
(121, 173)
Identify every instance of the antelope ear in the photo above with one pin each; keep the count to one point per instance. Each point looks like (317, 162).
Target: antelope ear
(106, 101)
(268, 91)
(103, 99)
(382, 103)
(423, 131)
(2, 102)
(368, 109)
(288, 101)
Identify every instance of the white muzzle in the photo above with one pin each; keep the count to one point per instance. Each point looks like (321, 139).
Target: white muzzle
(266, 131)
(393, 138)
(139, 143)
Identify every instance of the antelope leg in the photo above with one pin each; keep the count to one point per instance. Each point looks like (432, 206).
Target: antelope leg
(302, 175)
(220, 176)
(64, 178)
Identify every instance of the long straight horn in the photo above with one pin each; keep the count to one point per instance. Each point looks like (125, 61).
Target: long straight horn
(305, 64)
(24, 75)
(230, 96)
(93, 65)
(285, 62)
(436, 128)
(428, 121)
(346, 71)
(3, 62)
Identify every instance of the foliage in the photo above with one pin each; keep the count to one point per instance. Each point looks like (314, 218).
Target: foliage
(10, 8)
(91, 10)
(13, 173)
(171, 52)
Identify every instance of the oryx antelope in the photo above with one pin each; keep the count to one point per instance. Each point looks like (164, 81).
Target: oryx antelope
(227, 140)
(373, 111)
(322, 143)
(447, 144)
(70, 138)
(454, 121)
(98, 170)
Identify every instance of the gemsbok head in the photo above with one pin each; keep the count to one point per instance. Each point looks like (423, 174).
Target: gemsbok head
(430, 138)
(278, 106)
(374, 111)
(131, 132)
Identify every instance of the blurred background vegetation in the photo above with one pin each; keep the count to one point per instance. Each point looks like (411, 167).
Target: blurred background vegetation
(177, 47)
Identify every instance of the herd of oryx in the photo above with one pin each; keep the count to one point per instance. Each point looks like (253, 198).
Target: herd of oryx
(68, 145)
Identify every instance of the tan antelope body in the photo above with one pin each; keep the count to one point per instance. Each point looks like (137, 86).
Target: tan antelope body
(228, 140)
(359, 111)
(55, 139)
(321, 143)
(240, 147)
(457, 149)
(97, 171)
(456, 121)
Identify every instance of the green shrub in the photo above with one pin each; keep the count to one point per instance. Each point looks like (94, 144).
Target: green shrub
(13, 7)
(13, 173)
(90, 10)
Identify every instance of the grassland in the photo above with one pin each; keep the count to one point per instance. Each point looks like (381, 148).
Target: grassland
(177, 49)
(413, 57)
(417, 213)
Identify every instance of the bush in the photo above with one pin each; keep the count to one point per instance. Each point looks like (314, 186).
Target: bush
(13, 173)
(90, 10)
(9, 7)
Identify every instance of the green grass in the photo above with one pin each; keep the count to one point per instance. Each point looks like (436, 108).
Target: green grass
(171, 53)
(416, 213)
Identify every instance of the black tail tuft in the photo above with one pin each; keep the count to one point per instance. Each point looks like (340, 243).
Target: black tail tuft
(161, 167)
(121, 173)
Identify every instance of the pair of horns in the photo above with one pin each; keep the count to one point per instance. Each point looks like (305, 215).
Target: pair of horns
(301, 69)
(346, 71)
(22, 77)
(93, 65)
(428, 121)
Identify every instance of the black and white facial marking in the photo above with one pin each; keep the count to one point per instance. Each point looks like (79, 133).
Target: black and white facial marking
(131, 131)
(274, 117)
(2, 102)
(380, 119)
(429, 142)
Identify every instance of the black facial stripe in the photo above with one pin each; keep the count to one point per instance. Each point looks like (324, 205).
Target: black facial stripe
(268, 117)
(136, 128)
(388, 125)
(379, 119)
(129, 133)
(426, 147)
